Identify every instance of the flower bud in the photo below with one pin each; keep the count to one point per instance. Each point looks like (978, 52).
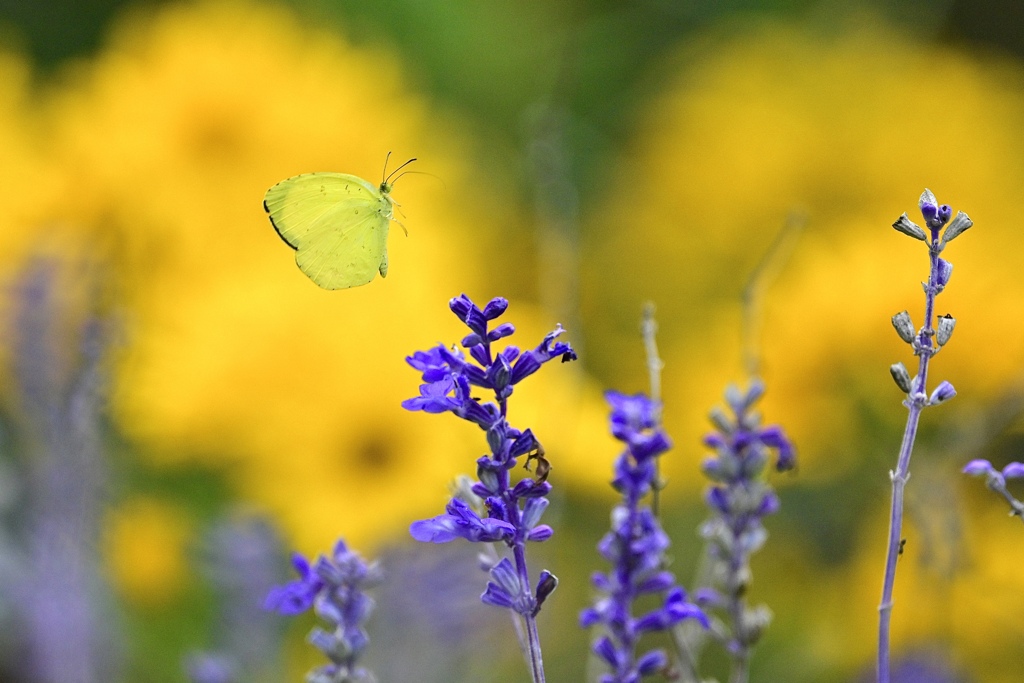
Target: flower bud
(755, 621)
(904, 326)
(734, 397)
(721, 421)
(902, 377)
(960, 223)
(977, 468)
(930, 210)
(908, 227)
(1015, 470)
(495, 307)
(945, 213)
(942, 393)
(945, 331)
(546, 585)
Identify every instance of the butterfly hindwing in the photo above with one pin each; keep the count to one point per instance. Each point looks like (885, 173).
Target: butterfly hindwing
(346, 247)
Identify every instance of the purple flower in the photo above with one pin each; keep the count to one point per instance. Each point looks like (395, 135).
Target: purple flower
(435, 397)
(493, 508)
(295, 597)
(739, 499)
(240, 556)
(58, 375)
(461, 522)
(635, 546)
(934, 215)
(634, 420)
(336, 587)
(996, 481)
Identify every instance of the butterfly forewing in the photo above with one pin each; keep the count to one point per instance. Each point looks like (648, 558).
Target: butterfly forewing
(337, 223)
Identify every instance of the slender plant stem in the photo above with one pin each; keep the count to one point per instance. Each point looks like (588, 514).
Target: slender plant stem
(740, 656)
(899, 482)
(536, 661)
(915, 402)
(740, 668)
(649, 329)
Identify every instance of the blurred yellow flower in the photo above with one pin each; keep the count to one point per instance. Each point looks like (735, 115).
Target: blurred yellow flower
(851, 127)
(146, 550)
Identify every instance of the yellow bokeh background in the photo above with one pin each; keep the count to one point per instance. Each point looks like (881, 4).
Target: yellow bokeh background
(152, 158)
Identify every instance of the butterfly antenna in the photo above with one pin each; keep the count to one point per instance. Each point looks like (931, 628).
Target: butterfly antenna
(384, 173)
(443, 184)
(388, 179)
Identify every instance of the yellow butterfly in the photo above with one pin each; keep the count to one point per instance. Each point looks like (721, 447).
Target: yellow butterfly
(336, 223)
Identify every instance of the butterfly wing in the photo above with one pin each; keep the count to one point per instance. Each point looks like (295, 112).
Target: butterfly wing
(337, 224)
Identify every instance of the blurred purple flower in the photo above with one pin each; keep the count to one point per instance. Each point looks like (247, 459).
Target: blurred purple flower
(996, 481)
(635, 546)
(739, 499)
(336, 587)
(59, 379)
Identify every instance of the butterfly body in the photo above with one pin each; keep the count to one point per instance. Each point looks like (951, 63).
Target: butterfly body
(336, 223)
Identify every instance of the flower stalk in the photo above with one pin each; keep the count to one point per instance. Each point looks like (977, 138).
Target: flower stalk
(925, 345)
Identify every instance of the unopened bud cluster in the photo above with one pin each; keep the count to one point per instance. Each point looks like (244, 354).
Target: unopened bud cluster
(936, 216)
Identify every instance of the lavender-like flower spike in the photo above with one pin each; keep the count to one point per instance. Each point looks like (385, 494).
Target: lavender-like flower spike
(240, 555)
(996, 481)
(59, 381)
(335, 586)
(510, 512)
(739, 500)
(635, 547)
(927, 342)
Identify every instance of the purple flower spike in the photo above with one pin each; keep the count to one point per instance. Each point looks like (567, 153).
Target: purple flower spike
(739, 499)
(931, 337)
(336, 585)
(636, 547)
(493, 508)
